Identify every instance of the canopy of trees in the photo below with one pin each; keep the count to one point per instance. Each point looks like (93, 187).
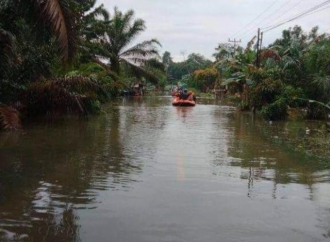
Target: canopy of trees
(75, 52)
(292, 69)
(80, 55)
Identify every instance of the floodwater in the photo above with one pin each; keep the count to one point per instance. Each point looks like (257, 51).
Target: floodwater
(146, 171)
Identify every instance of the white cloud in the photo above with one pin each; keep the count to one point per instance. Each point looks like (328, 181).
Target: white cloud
(197, 26)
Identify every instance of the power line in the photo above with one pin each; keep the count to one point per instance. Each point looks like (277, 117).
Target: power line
(316, 11)
(283, 5)
(256, 17)
(284, 11)
(290, 8)
(300, 15)
(306, 13)
(272, 14)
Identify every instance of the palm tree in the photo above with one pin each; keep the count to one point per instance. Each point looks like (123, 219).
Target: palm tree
(69, 94)
(119, 34)
(35, 37)
(50, 18)
(6, 46)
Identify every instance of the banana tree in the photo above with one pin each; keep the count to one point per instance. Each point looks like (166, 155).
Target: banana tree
(235, 67)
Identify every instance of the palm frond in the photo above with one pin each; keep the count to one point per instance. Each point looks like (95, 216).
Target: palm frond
(111, 73)
(123, 30)
(55, 17)
(99, 11)
(148, 43)
(6, 50)
(289, 62)
(6, 40)
(77, 84)
(323, 82)
(119, 33)
(61, 19)
(131, 31)
(62, 95)
(9, 118)
(126, 20)
(94, 23)
(140, 71)
(145, 49)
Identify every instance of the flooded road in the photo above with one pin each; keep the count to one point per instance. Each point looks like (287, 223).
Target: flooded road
(146, 171)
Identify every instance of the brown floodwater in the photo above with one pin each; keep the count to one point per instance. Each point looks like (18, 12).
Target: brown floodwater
(145, 171)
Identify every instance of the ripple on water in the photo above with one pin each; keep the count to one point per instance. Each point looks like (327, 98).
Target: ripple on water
(147, 171)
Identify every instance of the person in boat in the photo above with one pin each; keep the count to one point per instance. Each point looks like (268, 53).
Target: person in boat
(179, 93)
(191, 96)
(184, 95)
(174, 91)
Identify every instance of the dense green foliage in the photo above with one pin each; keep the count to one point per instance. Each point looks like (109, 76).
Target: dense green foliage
(67, 56)
(80, 55)
(295, 67)
(293, 72)
(183, 70)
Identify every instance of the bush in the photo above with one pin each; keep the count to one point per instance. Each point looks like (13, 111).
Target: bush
(92, 106)
(244, 106)
(275, 111)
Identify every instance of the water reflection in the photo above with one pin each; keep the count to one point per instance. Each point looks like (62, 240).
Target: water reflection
(260, 160)
(147, 171)
(48, 171)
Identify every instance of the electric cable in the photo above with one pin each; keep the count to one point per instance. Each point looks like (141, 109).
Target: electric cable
(278, 9)
(267, 23)
(306, 13)
(255, 18)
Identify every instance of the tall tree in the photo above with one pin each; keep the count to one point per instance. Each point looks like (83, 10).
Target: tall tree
(120, 33)
(55, 17)
(167, 59)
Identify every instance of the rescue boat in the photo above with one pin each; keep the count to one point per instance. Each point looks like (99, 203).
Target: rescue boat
(183, 103)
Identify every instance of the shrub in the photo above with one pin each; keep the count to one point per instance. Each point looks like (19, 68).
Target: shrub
(275, 111)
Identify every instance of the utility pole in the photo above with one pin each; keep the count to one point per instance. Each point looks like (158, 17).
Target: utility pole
(234, 41)
(259, 43)
(258, 49)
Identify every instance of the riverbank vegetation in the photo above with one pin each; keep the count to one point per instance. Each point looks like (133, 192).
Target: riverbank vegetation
(289, 79)
(291, 73)
(60, 57)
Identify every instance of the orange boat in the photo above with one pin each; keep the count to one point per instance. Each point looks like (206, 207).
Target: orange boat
(183, 103)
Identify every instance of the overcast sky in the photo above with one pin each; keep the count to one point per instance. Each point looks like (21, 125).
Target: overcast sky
(198, 26)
